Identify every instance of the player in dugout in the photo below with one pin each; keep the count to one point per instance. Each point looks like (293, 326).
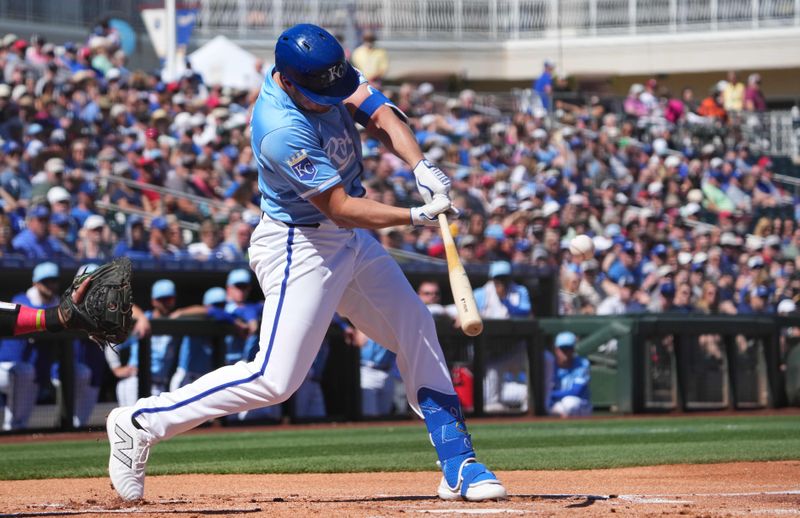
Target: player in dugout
(313, 256)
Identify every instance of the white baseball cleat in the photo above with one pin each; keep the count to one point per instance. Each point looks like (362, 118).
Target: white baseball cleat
(486, 488)
(130, 448)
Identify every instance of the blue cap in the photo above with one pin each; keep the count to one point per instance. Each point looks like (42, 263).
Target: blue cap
(499, 268)
(159, 223)
(59, 219)
(245, 169)
(214, 296)
(10, 147)
(668, 289)
(627, 280)
(163, 288)
(44, 271)
(494, 231)
(566, 339)
(523, 245)
(238, 276)
(312, 59)
(87, 268)
(231, 152)
(462, 173)
(760, 291)
(34, 129)
(628, 247)
(613, 230)
(88, 188)
(135, 219)
(40, 211)
(659, 249)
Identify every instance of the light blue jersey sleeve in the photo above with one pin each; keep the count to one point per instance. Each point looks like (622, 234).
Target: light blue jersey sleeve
(296, 154)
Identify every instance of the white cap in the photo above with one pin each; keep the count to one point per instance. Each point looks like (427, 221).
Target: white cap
(672, 161)
(786, 306)
(690, 209)
(601, 243)
(684, 258)
(729, 239)
(772, 241)
(755, 261)
(94, 221)
(57, 194)
(427, 119)
(550, 208)
(694, 196)
(700, 258)
(539, 133)
(754, 242)
(655, 187)
(716, 162)
(425, 89)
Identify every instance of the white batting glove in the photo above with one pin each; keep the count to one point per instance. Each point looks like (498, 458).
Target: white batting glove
(431, 180)
(426, 215)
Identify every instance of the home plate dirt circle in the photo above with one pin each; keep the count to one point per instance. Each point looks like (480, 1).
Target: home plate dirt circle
(734, 489)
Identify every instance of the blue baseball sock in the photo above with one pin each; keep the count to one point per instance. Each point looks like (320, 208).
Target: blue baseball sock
(445, 423)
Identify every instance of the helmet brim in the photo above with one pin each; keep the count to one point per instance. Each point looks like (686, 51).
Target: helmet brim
(335, 93)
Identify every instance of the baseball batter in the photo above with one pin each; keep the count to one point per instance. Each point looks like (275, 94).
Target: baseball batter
(312, 258)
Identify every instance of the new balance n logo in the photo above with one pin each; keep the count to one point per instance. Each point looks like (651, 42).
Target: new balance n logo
(124, 443)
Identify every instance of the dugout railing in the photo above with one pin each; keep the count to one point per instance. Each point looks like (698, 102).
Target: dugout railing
(640, 363)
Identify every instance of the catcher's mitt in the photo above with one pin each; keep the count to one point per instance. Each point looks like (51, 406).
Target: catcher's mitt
(105, 312)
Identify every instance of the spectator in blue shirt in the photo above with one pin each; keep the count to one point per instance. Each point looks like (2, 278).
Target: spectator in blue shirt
(544, 85)
(35, 241)
(501, 297)
(570, 393)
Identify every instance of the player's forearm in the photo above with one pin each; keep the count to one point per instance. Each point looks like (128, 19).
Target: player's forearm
(395, 134)
(366, 213)
(17, 319)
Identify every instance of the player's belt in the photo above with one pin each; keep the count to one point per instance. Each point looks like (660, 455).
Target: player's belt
(290, 225)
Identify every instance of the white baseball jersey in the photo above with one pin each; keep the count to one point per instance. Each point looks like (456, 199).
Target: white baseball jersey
(308, 268)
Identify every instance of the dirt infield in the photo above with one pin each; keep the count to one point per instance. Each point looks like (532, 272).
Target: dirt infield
(735, 489)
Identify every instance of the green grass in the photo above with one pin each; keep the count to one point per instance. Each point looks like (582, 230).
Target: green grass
(552, 445)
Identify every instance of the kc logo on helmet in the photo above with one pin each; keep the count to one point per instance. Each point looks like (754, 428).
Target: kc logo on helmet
(336, 72)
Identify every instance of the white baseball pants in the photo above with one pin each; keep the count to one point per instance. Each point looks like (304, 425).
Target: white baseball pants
(306, 275)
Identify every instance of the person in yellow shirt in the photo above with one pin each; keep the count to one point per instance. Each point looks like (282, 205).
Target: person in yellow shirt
(370, 60)
(733, 94)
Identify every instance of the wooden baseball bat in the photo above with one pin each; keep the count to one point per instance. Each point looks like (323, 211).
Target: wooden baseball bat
(471, 322)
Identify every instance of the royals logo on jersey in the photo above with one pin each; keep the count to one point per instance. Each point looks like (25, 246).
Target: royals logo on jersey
(302, 166)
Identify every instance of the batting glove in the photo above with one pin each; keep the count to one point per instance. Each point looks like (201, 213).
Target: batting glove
(431, 180)
(426, 215)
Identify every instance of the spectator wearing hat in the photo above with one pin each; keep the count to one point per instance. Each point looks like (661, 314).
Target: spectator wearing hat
(238, 286)
(163, 349)
(715, 198)
(35, 242)
(13, 174)
(622, 264)
(196, 353)
(93, 242)
(569, 396)
(53, 175)
(501, 297)
(623, 297)
(372, 61)
(18, 377)
(756, 301)
(135, 242)
(237, 242)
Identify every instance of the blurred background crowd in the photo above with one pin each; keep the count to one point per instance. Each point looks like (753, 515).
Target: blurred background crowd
(684, 210)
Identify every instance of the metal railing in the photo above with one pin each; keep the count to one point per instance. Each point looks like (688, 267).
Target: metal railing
(499, 20)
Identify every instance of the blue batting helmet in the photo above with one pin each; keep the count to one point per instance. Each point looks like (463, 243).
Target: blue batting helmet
(312, 59)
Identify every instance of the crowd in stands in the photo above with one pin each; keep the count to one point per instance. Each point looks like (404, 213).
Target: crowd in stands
(99, 160)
